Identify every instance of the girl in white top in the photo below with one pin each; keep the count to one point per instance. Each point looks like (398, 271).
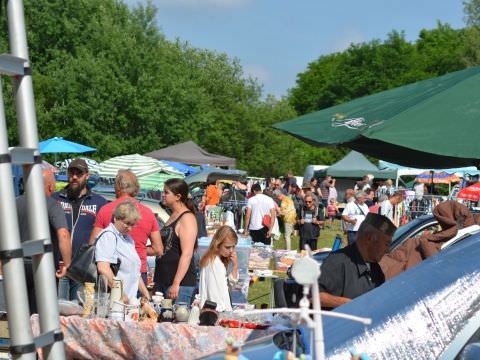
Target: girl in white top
(214, 282)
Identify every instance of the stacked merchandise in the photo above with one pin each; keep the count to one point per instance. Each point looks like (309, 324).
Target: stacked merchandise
(284, 259)
(260, 256)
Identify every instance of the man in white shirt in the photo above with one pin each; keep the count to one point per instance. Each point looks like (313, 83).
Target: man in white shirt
(386, 208)
(353, 215)
(258, 207)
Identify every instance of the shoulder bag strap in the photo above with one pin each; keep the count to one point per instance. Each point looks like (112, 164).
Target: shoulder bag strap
(108, 231)
(359, 208)
(104, 232)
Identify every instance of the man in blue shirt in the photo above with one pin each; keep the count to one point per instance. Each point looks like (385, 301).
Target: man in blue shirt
(81, 207)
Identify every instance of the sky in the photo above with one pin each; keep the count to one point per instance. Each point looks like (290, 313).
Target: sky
(277, 39)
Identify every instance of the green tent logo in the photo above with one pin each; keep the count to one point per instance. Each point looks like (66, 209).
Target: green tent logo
(339, 120)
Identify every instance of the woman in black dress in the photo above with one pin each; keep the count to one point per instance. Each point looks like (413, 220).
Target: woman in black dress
(175, 273)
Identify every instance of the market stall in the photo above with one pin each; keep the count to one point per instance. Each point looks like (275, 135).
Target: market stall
(111, 339)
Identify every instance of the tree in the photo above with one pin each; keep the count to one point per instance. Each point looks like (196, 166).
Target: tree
(471, 8)
(105, 76)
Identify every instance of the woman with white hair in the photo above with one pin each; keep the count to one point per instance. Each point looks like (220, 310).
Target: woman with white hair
(114, 245)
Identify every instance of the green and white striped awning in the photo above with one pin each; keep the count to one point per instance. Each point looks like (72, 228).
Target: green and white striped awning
(140, 165)
(155, 181)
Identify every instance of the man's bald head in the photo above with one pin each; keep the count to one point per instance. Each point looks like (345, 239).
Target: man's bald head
(374, 237)
(48, 182)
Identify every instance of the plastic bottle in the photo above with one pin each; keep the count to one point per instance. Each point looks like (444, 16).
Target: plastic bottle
(194, 317)
(337, 244)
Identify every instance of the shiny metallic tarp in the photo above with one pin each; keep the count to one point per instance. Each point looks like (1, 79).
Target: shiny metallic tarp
(416, 315)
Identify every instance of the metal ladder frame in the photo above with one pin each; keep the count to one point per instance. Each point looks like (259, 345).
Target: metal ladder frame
(12, 251)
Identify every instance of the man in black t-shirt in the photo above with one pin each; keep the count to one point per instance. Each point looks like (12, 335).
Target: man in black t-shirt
(354, 270)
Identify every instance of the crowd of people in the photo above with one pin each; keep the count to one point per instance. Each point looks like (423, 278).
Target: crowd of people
(124, 232)
(316, 205)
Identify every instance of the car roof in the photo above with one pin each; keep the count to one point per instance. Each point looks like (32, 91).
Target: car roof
(416, 313)
(108, 192)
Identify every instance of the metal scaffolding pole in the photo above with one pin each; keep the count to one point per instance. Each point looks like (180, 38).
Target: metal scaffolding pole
(13, 270)
(40, 245)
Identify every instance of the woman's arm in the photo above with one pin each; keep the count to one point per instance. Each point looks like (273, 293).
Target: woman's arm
(157, 245)
(103, 268)
(233, 277)
(187, 232)
(105, 250)
(143, 289)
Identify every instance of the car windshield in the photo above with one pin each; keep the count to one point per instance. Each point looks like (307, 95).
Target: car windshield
(402, 230)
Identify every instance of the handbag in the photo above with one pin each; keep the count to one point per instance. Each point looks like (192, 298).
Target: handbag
(83, 267)
(267, 221)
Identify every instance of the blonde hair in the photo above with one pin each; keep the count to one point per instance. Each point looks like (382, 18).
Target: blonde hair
(224, 233)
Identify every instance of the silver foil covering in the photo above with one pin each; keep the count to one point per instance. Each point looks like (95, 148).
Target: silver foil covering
(416, 315)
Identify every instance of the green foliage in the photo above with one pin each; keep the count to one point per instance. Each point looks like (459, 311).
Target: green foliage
(472, 12)
(375, 66)
(105, 76)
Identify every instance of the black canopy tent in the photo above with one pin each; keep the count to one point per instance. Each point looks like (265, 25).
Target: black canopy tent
(190, 153)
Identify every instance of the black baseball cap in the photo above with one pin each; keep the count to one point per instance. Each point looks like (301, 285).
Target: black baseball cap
(79, 164)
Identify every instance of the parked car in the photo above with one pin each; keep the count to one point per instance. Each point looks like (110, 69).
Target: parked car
(431, 311)
(153, 201)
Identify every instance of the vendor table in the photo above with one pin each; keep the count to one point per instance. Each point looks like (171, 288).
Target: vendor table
(110, 339)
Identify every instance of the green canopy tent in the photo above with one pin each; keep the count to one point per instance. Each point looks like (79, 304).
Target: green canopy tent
(431, 123)
(355, 165)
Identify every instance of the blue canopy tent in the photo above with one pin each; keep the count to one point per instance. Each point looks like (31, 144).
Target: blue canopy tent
(58, 144)
(184, 168)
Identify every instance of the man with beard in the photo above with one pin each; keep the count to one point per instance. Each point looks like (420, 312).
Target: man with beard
(81, 207)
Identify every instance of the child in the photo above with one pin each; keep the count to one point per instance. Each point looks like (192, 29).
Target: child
(214, 283)
(332, 211)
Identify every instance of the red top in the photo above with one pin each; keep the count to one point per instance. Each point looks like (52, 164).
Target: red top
(140, 233)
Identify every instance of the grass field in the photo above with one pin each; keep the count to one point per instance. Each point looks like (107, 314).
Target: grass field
(259, 292)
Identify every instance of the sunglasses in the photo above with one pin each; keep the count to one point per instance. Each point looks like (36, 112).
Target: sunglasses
(308, 202)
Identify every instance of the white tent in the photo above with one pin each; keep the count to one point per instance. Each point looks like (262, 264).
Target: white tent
(406, 171)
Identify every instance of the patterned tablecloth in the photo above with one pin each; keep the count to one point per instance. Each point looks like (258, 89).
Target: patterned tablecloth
(109, 339)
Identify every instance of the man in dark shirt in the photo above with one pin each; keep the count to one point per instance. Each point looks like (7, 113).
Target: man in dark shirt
(324, 187)
(354, 270)
(310, 218)
(59, 235)
(81, 207)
